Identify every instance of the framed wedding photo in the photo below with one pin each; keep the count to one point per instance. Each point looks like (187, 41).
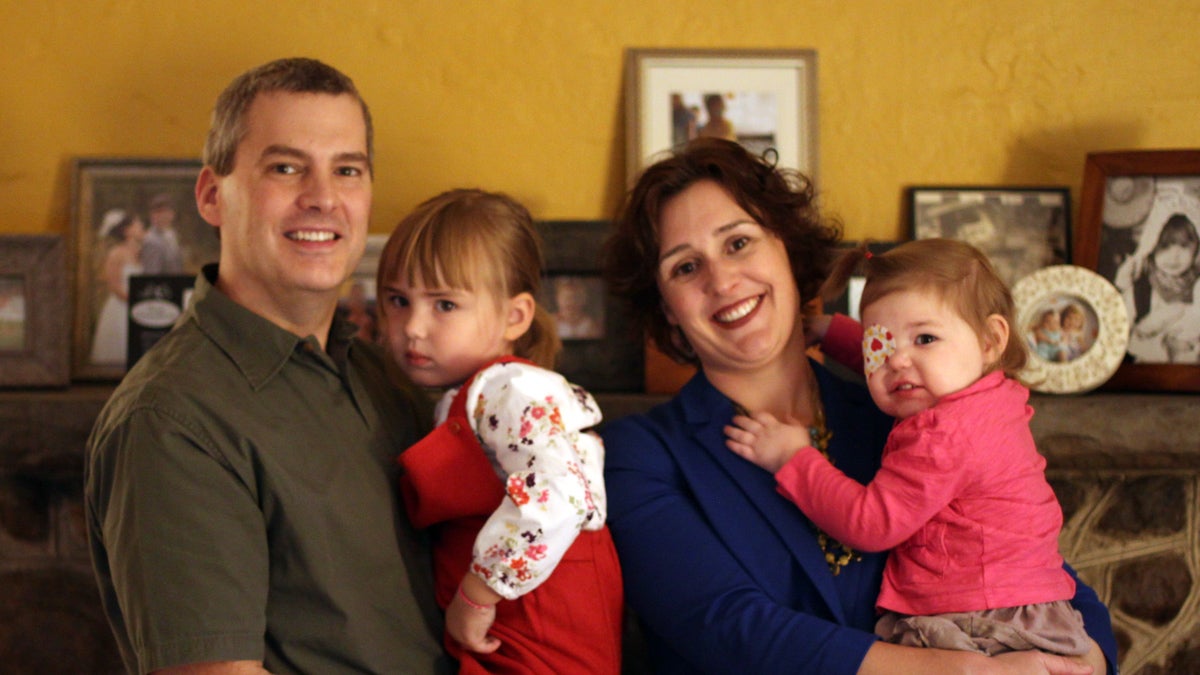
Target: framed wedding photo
(765, 99)
(128, 217)
(33, 311)
(1020, 229)
(1139, 228)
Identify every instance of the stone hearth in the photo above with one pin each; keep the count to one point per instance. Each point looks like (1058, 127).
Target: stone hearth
(1126, 468)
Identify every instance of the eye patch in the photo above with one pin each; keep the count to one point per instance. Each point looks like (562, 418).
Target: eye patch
(878, 344)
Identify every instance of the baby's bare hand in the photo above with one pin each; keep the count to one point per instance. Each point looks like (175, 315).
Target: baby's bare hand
(764, 440)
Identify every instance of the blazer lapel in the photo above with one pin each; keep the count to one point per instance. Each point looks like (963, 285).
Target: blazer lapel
(741, 501)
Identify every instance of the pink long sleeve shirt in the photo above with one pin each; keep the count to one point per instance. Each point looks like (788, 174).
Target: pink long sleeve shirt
(961, 497)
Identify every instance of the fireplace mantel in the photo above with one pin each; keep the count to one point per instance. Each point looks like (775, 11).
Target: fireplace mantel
(1126, 468)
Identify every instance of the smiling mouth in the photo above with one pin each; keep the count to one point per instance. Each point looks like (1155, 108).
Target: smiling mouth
(311, 235)
(739, 310)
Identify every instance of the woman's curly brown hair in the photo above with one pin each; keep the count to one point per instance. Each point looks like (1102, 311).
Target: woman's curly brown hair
(781, 200)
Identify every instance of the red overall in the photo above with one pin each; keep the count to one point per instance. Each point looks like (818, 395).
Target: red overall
(571, 623)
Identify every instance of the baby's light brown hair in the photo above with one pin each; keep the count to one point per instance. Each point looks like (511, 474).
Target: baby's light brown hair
(954, 271)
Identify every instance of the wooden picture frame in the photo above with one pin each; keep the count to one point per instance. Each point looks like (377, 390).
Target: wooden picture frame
(1020, 229)
(1130, 200)
(768, 98)
(600, 353)
(33, 311)
(110, 196)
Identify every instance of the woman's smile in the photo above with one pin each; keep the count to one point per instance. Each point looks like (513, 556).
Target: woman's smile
(736, 313)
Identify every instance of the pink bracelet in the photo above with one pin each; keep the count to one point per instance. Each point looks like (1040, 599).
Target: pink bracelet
(471, 603)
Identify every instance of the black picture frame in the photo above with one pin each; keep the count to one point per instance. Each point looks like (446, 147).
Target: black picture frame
(612, 361)
(1020, 229)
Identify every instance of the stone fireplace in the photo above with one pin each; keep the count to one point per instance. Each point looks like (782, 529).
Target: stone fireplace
(1126, 468)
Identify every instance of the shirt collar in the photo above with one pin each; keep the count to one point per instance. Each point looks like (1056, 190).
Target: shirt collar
(258, 347)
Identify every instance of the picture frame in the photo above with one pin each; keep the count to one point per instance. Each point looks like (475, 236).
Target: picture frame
(1134, 206)
(356, 301)
(601, 353)
(33, 311)
(1020, 229)
(111, 200)
(1075, 326)
(766, 97)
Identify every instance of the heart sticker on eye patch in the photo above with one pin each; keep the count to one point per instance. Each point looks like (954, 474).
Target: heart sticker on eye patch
(878, 344)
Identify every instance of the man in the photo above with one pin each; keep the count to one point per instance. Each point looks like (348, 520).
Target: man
(160, 247)
(238, 493)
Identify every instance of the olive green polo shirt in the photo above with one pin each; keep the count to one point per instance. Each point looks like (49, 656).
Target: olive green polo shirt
(239, 493)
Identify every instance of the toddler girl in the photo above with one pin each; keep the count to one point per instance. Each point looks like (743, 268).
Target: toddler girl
(961, 495)
(511, 480)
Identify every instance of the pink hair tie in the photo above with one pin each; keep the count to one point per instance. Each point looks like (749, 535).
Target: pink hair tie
(870, 255)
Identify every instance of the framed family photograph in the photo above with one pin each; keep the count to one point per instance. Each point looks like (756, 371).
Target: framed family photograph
(601, 353)
(33, 311)
(1076, 328)
(765, 99)
(1139, 228)
(1020, 229)
(128, 217)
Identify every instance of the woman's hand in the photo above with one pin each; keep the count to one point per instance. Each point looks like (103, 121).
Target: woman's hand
(468, 622)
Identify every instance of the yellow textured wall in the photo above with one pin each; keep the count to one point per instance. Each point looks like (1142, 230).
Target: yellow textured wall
(526, 96)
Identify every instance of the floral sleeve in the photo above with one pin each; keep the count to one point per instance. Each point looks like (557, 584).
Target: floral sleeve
(535, 427)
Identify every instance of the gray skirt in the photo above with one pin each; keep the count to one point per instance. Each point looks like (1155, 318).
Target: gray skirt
(1054, 627)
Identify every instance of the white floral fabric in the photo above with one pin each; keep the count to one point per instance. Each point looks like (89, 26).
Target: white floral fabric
(534, 426)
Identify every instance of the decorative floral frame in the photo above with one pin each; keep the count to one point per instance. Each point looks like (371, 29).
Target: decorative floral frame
(33, 312)
(771, 94)
(1070, 365)
(1126, 201)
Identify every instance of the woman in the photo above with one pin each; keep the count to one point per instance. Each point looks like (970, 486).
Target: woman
(125, 230)
(716, 252)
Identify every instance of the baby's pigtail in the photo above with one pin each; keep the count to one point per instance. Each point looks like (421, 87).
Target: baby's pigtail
(840, 272)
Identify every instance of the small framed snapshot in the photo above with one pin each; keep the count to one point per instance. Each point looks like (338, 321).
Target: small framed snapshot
(1075, 326)
(155, 302)
(357, 302)
(128, 217)
(1020, 229)
(765, 99)
(1139, 228)
(33, 311)
(601, 352)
